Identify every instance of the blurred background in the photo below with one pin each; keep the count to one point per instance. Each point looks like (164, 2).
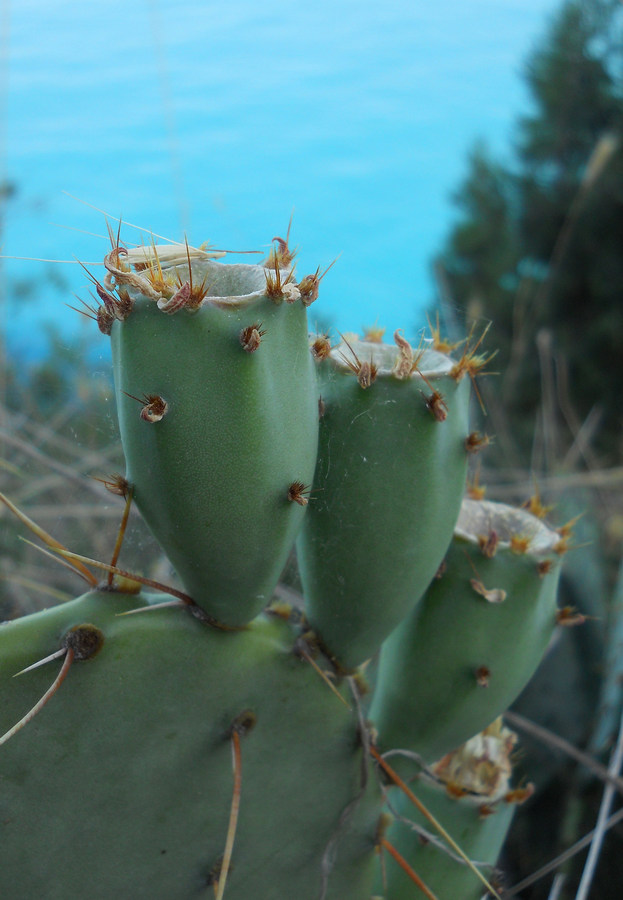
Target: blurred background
(462, 160)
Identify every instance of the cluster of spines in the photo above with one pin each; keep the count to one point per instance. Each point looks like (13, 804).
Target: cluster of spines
(407, 364)
(143, 270)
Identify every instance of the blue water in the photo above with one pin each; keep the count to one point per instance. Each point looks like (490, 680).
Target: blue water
(218, 119)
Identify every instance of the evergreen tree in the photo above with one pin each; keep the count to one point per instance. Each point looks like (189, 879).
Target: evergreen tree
(538, 248)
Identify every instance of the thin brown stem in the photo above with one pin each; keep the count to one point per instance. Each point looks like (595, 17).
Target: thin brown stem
(404, 865)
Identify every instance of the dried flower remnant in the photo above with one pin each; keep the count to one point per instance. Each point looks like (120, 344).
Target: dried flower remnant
(291, 292)
(281, 255)
(481, 768)
(406, 361)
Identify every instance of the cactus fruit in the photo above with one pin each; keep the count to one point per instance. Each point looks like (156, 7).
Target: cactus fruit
(389, 480)
(225, 428)
(468, 649)
(224, 747)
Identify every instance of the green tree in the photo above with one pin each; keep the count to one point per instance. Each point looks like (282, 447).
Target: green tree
(537, 248)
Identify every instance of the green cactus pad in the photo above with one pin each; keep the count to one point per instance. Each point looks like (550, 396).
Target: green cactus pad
(387, 490)
(476, 638)
(122, 785)
(221, 445)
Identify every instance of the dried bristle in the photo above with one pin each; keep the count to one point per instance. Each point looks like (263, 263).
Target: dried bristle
(569, 616)
(436, 406)
(474, 489)
(536, 507)
(116, 484)
(520, 544)
(440, 344)
(163, 284)
(196, 292)
(519, 795)
(566, 530)
(309, 285)
(297, 493)
(374, 335)
(321, 347)
(251, 337)
(154, 408)
(281, 255)
(115, 242)
(475, 442)
(124, 304)
(275, 284)
(97, 313)
(114, 307)
(470, 362)
(473, 364)
(562, 546)
(366, 372)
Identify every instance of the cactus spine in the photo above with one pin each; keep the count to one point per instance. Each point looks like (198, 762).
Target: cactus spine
(226, 747)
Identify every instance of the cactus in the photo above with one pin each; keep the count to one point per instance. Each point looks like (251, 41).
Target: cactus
(217, 741)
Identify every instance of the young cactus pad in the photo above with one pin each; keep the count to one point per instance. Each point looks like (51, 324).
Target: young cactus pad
(477, 636)
(389, 480)
(222, 441)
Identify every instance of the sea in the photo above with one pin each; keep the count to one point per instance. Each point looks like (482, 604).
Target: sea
(222, 121)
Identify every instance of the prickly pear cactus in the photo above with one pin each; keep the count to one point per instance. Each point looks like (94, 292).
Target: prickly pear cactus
(213, 741)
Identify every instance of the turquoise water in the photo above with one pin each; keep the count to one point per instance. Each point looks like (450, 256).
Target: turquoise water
(218, 120)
